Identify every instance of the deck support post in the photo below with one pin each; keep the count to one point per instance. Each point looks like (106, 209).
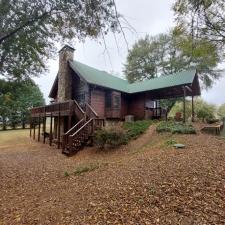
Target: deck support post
(31, 126)
(34, 129)
(39, 127)
(58, 138)
(44, 127)
(50, 135)
(184, 105)
(192, 108)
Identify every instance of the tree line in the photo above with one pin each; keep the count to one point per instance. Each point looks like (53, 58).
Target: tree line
(16, 99)
(30, 29)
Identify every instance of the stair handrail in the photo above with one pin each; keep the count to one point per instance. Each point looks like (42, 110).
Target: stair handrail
(75, 126)
(65, 136)
(76, 134)
(76, 103)
(81, 128)
(92, 110)
(80, 110)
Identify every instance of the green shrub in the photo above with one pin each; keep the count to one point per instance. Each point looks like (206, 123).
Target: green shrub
(175, 128)
(221, 111)
(135, 129)
(115, 136)
(111, 137)
(212, 120)
(170, 142)
(66, 174)
(86, 168)
(203, 110)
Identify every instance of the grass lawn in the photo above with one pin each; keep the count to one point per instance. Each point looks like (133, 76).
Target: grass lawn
(14, 137)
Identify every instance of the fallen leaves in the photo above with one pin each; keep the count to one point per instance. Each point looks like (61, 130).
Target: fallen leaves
(152, 186)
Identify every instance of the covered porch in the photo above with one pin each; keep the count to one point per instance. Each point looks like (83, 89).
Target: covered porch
(183, 91)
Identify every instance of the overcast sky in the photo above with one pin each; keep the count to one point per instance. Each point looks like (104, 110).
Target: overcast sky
(146, 17)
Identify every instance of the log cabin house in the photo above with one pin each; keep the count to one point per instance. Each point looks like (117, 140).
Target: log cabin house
(85, 97)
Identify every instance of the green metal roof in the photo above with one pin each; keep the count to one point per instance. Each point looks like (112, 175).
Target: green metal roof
(98, 77)
(104, 79)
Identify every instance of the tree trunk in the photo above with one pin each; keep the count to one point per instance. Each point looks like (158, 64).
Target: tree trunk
(23, 124)
(3, 123)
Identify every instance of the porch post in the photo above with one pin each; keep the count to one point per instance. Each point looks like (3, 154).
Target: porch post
(58, 141)
(34, 128)
(192, 108)
(31, 126)
(39, 127)
(184, 105)
(44, 127)
(50, 136)
(156, 105)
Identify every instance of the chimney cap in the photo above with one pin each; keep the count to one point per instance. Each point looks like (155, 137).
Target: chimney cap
(66, 47)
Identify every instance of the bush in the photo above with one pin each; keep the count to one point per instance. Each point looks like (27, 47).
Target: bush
(203, 110)
(221, 111)
(171, 142)
(212, 120)
(116, 136)
(86, 168)
(135, 129)
(110, 137)
(175, 128)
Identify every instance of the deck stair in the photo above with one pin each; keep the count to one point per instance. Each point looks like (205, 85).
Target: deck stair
(77, 137)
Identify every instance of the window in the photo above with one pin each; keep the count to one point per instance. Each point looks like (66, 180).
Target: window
(108, 100)
(116, 102)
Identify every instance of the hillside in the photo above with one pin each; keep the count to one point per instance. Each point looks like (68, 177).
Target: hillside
(145, 182)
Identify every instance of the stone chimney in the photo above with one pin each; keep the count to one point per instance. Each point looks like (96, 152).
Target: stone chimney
(64, 74)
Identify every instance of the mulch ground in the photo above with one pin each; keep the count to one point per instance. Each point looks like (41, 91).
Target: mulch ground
(146, 182)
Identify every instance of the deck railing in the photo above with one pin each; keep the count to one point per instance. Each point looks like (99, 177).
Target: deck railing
(67, 107)
(157, 112)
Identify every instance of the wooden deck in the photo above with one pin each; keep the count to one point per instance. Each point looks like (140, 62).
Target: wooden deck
(76, 136)
(213, 128)
(55, 109)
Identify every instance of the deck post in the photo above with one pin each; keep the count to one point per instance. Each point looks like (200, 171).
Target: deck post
(31, 126)
(50, 136)
(34, 129)
(184, 105)
(39, 127)
(58, 138)
(44, 126)
(166, 114)
(192, 108)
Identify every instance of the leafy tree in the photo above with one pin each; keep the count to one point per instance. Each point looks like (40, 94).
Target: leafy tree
(30, 28)
(202, 19)
(169, 53)
(221, 111)
(203, 110)
(16, 98)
